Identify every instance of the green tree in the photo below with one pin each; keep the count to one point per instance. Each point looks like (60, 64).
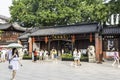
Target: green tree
(57, 12)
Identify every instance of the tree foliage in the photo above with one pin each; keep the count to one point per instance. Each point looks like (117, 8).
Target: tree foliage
(30, 13)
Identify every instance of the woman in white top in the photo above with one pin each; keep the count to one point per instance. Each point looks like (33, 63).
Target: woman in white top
(3, 55)
(46, 55)
(77, 56)
(41, 54)
(15, 61)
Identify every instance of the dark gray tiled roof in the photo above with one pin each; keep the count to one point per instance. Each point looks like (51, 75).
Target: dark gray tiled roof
(4, 26)
(18, 27)
(4, 18)
(24, 36)
(111, 30)
(14, 25)
(69, 29)
(28, 32)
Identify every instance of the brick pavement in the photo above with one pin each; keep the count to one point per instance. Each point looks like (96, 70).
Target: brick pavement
(62, 70)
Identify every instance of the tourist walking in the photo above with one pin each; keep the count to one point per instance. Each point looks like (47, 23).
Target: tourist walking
(54, 52)
(77, 56)
(74, 56)
(3, 55)
(15, 61)
(35, 55)
(45, 55)
(0, 56)
(116, 59)
(41, 52)
(32, 56)
(9, 54)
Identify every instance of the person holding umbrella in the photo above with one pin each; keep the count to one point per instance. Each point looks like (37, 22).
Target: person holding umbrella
(15, 61)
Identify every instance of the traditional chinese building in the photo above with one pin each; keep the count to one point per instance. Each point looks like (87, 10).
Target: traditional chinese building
(66, 37)
(110, 40)
(9, 31)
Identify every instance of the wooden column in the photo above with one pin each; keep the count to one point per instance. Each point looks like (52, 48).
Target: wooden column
(30, 45)
(49, 46)
(73, 41)
(101, 53)
(97, 47)
(72, 47)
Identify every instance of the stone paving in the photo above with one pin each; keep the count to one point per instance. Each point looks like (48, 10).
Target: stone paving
(62, 70)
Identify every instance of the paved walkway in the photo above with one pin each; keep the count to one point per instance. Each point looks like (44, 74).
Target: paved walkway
(62, 70)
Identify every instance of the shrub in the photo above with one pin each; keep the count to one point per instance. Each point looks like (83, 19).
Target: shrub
(27, 57)
(70, 57)
(67, 55)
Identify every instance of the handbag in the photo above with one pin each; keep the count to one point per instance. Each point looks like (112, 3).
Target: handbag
(10, 67)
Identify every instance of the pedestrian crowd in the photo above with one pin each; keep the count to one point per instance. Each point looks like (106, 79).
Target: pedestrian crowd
(6, 53)
(14, 55)
(43, 54)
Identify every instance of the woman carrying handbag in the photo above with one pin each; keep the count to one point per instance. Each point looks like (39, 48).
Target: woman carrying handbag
(15, 62)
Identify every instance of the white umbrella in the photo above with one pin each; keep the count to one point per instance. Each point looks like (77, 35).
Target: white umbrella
(14, 45)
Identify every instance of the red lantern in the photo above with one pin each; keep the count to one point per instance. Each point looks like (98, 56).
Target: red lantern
(90, 37)
(46, 39)
(73, 38)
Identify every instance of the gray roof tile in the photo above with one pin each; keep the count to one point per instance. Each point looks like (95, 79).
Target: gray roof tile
(24, 36)
(111, 30)
(4, 18)
(14, 25)
(69, 29)
(4, 26)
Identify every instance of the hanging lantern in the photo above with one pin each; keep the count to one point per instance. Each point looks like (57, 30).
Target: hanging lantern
(46, 39)
(90, 37)
(33, 39)
(73, 38)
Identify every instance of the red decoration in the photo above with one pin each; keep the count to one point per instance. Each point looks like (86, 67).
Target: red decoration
(73, 38)
(90, 37)
(46, 39)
